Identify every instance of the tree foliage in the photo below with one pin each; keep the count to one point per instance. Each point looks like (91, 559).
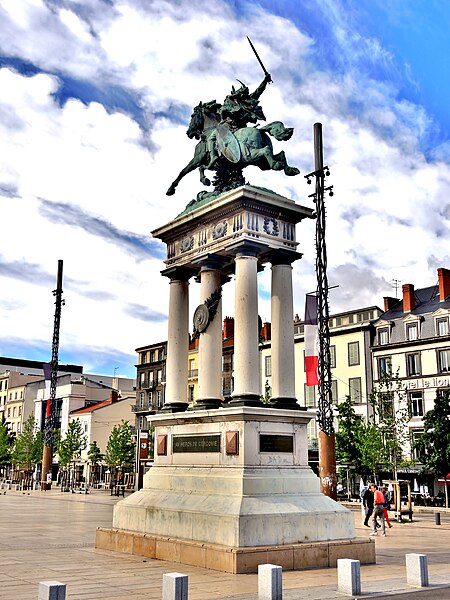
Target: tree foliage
(28, 445)
(434, 444)
(358, 443)
(6, 443)
(120, 450)
(94, 454)
(71, 446)
(389, 403)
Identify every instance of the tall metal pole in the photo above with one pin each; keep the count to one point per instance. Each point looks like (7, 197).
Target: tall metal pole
(327, 444)
(47, 457)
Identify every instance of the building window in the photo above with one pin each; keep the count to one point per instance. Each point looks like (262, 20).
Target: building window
(9, 411)
(413, 366)
(441, 326)
(142, 380)
(384, 366)
(150, 399)
(412, 331)
(416, 404)
(152, 356)
(353, 354)
(386, 406)
(142, 423)
(354, 384)
(141, 400)
(334, 391)
(191, 394)
(159, 376)
(416, 453)
(383, 336)
(159, 399)
(143, 358)
(444, 361)
(310, 396)
(333, 357)
(268, 366)
(161, 354)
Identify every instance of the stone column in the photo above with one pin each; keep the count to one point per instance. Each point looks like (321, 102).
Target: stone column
(282, 308)
(210, 340)
(177, 344)
(247, 387)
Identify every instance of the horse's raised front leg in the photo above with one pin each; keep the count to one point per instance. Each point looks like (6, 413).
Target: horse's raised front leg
(197, 162)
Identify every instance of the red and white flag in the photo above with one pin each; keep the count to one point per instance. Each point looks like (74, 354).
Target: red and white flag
(47, 374)
(311, 341)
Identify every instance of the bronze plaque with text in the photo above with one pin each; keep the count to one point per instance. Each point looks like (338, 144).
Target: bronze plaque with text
(196, 443)
(276, 443)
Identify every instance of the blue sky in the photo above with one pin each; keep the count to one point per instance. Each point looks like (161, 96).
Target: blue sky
(95, 99)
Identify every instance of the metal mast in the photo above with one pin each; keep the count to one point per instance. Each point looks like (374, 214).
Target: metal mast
(47, 457)
(327, 448)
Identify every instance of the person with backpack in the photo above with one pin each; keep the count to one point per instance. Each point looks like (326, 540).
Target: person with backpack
(378, 511)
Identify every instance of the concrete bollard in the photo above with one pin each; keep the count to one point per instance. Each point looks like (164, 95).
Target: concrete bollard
(52, 590)
(270, 582)
(175, 586)
(349, 576)
(417, 570)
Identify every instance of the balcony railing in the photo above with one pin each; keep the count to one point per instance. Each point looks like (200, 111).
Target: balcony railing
(192, 373)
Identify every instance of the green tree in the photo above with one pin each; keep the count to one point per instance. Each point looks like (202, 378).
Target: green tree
(348, 435)
(120, 450)
(71, 446)
(372, 449)
(6, 443)
(28, 446)
(434, 444)
(389, 402)
(94, 454)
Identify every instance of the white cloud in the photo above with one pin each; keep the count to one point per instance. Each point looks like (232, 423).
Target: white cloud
(386, 219)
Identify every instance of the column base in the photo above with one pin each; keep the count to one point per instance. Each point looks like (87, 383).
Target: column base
(207, 404)
(173, 407)
(286, 402)
(245, 400)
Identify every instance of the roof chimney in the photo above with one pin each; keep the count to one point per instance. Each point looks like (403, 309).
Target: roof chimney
(228, 328)
(409, 300)
(444, 283)
(389, 303)
(266, 332)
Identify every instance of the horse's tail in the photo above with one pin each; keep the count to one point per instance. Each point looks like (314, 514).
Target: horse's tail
(278, 130)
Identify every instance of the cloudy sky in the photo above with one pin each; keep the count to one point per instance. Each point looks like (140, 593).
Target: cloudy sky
(95, 99)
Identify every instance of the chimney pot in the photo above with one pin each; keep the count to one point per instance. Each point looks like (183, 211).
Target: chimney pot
(409, 300)
(444, 283)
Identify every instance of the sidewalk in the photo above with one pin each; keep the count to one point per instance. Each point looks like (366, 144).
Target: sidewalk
(50, 536)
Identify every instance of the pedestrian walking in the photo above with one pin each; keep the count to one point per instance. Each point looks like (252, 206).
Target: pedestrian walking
(387, 505)
(378, 511)
(368, 504)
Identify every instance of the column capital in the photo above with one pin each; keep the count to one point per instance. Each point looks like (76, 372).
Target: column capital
(247, 248)
(178, 273)
(283, 257)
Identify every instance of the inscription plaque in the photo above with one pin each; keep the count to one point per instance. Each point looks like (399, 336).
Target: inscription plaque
(276, 443)
(196, 443)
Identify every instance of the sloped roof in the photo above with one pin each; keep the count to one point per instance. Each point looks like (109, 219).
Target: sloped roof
(427, 300)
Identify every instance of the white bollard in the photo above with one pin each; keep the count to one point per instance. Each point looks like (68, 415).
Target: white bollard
(175, 586)
(269, 582)
(349, 576)
(417, 570)
(52, 590)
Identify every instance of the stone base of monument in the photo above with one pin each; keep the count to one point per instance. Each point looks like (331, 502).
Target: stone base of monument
(230, 489)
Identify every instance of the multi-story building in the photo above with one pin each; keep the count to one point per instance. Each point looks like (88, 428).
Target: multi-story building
(412, 338)
(150, 382)
(13, 405)
(351, 369)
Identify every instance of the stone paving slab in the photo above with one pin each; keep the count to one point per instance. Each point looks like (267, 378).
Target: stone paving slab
(50, 536)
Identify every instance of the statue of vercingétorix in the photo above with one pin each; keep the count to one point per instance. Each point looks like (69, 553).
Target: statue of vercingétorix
(227, 144)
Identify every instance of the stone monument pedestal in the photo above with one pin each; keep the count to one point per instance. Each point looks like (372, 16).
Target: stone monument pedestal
(230, 489)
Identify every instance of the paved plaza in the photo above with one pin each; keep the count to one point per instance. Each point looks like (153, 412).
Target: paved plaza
(50, 536)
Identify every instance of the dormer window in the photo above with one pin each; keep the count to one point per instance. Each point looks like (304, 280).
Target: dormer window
(442, 326)
(412, 331)
(383, 336)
